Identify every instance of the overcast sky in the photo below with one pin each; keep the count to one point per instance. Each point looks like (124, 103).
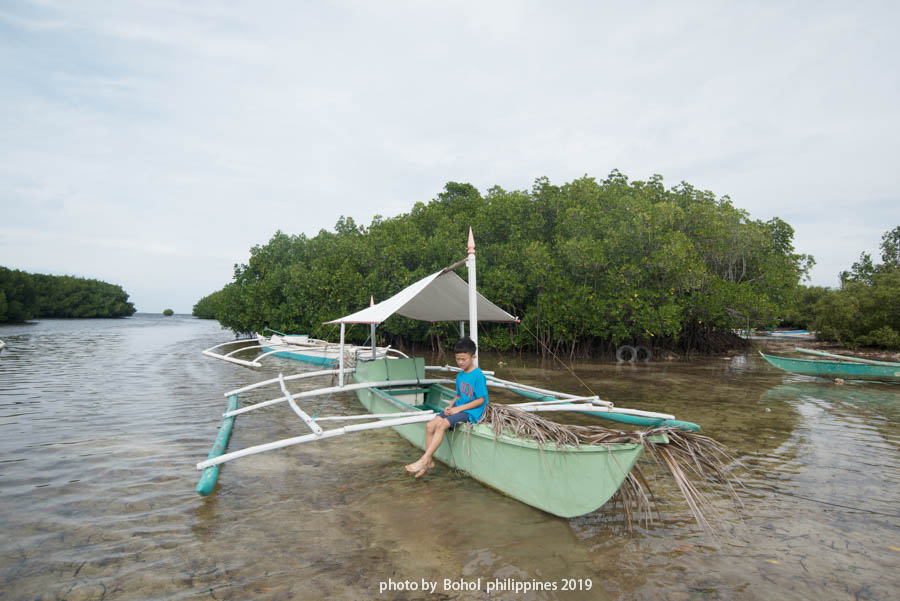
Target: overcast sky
(152, 143)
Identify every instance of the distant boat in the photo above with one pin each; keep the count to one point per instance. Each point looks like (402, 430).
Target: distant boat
(779, 334)
(299, 347)
(792, 333)
(837, 366)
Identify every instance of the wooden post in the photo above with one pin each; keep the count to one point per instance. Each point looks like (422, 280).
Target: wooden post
(473, 299)
(341, 360)
(372, 331)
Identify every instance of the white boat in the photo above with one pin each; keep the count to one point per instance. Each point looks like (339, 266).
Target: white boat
(299, 347)
(318, 352)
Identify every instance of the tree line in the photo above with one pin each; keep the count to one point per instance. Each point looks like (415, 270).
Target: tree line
(26, 296)
(586, 266)
(865, 309)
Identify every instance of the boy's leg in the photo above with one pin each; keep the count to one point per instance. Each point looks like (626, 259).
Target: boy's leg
(436, 439)
(434, 436)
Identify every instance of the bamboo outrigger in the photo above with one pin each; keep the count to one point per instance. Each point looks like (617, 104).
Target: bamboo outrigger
(563, 479)
(299, 347)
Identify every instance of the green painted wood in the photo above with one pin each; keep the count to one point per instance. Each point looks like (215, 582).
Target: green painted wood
(634, 420)
(846, 357)
(568, 481)
(835, 369)
(304, 357)
(211, 474)
(645, 422)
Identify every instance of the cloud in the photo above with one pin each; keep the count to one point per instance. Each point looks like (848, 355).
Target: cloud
(166, 139)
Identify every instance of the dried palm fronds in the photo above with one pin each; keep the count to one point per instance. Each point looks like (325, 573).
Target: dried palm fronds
(692, 459)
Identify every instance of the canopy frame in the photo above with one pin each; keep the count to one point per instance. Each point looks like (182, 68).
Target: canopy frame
(436, 298)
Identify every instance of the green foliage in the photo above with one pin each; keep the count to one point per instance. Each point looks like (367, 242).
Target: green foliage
(802, 312)
(26, 296)
(210, 306)
(865, 311)
(168, 312)
(584, 265)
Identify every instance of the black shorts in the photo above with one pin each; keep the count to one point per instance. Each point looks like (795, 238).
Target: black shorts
(456, 418)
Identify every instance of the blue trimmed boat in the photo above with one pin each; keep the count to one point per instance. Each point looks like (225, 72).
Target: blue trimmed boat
(836, 366)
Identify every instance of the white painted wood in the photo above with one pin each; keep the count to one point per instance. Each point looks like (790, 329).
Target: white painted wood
(340, 418)
(300, 412)
(301, 376)
(212, 348)
(473, 294)
(500, 383)
(233, 360)
(593, 408)
(236, 351)
(341, 357)
(589, 399)
(452, 368)
(279, 444)
(332, 389)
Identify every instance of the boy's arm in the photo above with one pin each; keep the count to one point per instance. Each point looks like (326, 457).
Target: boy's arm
(450, 406)
(469, 405)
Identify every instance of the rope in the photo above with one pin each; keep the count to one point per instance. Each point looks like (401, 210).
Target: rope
(555, 356)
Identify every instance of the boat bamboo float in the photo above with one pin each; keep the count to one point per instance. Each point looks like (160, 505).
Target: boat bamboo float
(211, 473)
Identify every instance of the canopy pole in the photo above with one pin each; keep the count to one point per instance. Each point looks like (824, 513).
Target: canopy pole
(341, 362)
(372, 331)
(462, 329)
(473, 299)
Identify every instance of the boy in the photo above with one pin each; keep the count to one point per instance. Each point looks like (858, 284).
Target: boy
(469, 405)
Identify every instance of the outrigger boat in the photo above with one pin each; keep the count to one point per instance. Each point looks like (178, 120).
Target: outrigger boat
(836, 366)
(299, 347)
(565, 480)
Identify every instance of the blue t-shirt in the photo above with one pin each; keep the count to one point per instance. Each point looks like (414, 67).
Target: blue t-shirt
(471, 386)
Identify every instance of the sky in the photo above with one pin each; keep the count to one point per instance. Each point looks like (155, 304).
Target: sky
(151, 144)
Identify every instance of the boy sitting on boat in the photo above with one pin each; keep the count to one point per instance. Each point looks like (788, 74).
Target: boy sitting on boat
(468, 405)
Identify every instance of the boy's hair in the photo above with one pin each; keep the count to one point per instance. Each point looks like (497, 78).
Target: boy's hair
(465, 345)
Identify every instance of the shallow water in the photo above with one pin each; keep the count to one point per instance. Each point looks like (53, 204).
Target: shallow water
(102, 421)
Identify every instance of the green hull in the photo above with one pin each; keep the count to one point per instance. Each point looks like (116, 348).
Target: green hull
(567, 481)
(835, 369)
(306, 358)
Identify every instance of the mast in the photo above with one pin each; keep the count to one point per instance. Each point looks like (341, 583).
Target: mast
(341, 359)
(372, 331)
(473, 299)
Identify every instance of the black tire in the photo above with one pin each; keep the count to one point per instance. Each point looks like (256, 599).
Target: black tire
(642, 350)
(626, 350)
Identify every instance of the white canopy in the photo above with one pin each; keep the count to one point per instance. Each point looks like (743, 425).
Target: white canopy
(442, 296)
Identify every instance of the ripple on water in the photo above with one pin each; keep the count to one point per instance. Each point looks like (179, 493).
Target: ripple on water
(103, 420)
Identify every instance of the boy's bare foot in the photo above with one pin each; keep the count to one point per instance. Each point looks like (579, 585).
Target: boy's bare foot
(415, 466)
(422, 471)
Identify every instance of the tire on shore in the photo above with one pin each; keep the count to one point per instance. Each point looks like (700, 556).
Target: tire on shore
(626, 351)
(642, 353)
